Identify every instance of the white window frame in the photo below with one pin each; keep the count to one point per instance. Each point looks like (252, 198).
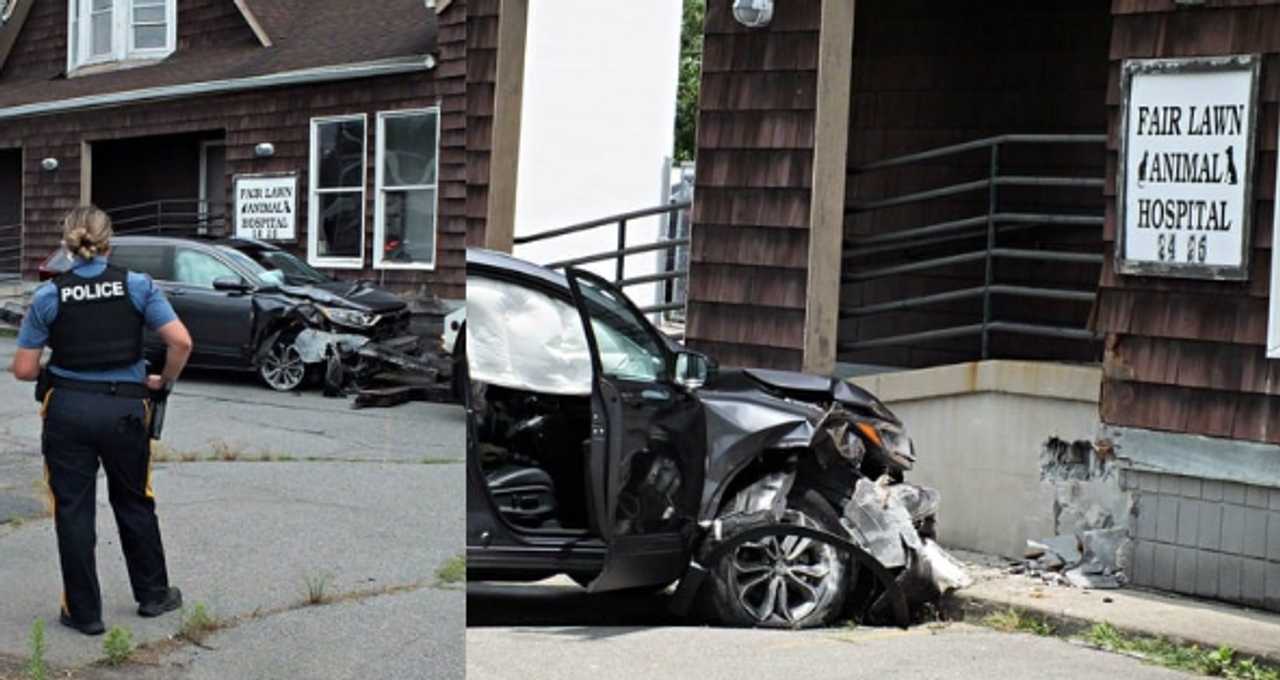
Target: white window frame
(313, 194)
(122, 35)
(379, 220)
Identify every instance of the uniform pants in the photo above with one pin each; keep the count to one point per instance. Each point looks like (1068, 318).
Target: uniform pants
(82, 429)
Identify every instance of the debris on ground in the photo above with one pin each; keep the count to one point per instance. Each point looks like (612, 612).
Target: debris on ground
(1083, 560)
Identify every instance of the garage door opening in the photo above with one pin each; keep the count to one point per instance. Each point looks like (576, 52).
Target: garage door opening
(974, 202)
(165, 183)
(10, 213)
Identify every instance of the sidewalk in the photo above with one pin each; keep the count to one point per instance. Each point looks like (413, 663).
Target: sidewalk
(1208, 624)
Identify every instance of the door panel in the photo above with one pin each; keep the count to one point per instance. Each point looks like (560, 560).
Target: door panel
(220, 322)
(647, 456)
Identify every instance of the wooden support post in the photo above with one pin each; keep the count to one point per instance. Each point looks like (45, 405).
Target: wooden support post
(826, 208)
(513, 22)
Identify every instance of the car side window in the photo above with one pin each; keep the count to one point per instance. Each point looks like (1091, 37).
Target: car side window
(146, 259)
(628, 350)
(195, 268)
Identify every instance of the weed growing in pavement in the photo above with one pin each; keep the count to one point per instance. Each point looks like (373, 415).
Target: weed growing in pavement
(454, 570)
(225, 451)
(1220, 662)
(117, 645)
(317, 588)
(36, 668)
(197, 624)
(1018, 621)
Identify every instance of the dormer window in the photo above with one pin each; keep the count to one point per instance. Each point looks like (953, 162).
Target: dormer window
(106, 31)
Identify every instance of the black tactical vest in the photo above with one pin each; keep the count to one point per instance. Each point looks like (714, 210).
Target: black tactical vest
(97, 326)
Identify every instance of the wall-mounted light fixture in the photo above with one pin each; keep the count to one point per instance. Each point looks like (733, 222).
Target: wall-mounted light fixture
(49, 164)
(753, 13)
(264, 150)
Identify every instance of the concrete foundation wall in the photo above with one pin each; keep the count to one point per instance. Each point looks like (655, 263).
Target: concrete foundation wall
(979, 430)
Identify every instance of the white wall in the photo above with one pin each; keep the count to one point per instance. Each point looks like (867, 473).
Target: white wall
(598, 121)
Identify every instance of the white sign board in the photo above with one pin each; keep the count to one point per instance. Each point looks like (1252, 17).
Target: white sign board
(267, 207)
(1185, 186)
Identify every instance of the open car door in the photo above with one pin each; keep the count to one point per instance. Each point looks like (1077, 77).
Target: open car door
(645, 467)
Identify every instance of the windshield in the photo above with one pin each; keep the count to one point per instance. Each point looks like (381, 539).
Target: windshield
(292, 268)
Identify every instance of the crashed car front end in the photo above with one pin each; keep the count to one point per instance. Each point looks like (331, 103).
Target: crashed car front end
(790, 436)
(311, 329)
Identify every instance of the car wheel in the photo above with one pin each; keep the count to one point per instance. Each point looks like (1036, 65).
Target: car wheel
(782, 581)
(282, 368)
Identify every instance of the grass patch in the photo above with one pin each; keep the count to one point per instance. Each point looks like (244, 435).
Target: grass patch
(197, 624)
(1221, 662)
(454, 570)
(117, 645)
(36, 667)
(1018, 621)
(226, 451)
(317, 588)
(6, 332)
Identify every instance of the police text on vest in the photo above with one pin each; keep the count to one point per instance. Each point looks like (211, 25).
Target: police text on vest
(102, 290)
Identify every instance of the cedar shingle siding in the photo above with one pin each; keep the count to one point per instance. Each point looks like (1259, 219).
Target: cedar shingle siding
(213, 37)
(755, 154)
(1182, 355)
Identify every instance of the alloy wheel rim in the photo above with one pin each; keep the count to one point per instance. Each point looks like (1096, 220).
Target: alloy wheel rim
(784, 578)
(283, 368)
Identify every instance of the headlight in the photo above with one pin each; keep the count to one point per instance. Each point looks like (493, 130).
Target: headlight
(349, 317)
(892, 441)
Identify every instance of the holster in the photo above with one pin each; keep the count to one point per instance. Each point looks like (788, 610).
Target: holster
(44, 383)
(159, 404)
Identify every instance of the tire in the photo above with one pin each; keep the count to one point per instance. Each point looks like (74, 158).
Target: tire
(282, 368)
(781, 582)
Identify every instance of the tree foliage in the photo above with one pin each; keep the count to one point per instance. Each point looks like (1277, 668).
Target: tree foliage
(690, 79)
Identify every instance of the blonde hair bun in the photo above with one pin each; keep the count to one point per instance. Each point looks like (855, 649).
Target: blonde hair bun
(86, 232)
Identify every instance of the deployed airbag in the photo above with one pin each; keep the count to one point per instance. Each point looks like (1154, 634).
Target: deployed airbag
(524, 339)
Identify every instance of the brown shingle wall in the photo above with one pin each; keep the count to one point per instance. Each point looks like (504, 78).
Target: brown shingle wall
(929, 74)
(481, 75)
(755, 168)
(41, 49)
(1184, 355)
(281, 116)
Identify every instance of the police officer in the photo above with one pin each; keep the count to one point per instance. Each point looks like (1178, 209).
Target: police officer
(97, 408)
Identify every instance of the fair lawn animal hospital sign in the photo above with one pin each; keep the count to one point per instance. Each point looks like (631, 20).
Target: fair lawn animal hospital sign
(1187, 150)
(267, 206)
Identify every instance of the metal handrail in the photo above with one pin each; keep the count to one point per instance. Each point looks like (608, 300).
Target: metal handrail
(619, 254)
(990, 224)
(157, 220)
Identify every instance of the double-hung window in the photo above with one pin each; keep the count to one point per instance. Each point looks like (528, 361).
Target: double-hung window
(407, 189)
(335, 237)
(102, 31)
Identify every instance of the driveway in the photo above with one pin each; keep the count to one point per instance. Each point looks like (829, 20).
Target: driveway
(317, 537)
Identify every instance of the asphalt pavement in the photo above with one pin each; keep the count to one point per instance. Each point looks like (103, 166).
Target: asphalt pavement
(553, 629)
(265, 500)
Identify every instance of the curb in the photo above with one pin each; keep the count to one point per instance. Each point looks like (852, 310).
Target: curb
(1068, 624)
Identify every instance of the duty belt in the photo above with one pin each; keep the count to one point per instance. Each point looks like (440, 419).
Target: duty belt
(130, 390)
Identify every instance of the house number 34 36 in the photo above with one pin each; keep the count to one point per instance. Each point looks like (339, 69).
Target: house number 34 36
(1167, 248)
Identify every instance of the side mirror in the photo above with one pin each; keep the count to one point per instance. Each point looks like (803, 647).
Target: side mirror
(232, 284)
(694, 369)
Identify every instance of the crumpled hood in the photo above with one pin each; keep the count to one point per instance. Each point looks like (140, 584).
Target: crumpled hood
(359, 295)
(809, 387)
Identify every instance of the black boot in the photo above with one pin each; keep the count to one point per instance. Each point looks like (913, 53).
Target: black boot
(93, 628)
(171, 601)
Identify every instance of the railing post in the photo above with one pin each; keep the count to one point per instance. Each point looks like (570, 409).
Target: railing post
(622, 245)
(991, 244)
